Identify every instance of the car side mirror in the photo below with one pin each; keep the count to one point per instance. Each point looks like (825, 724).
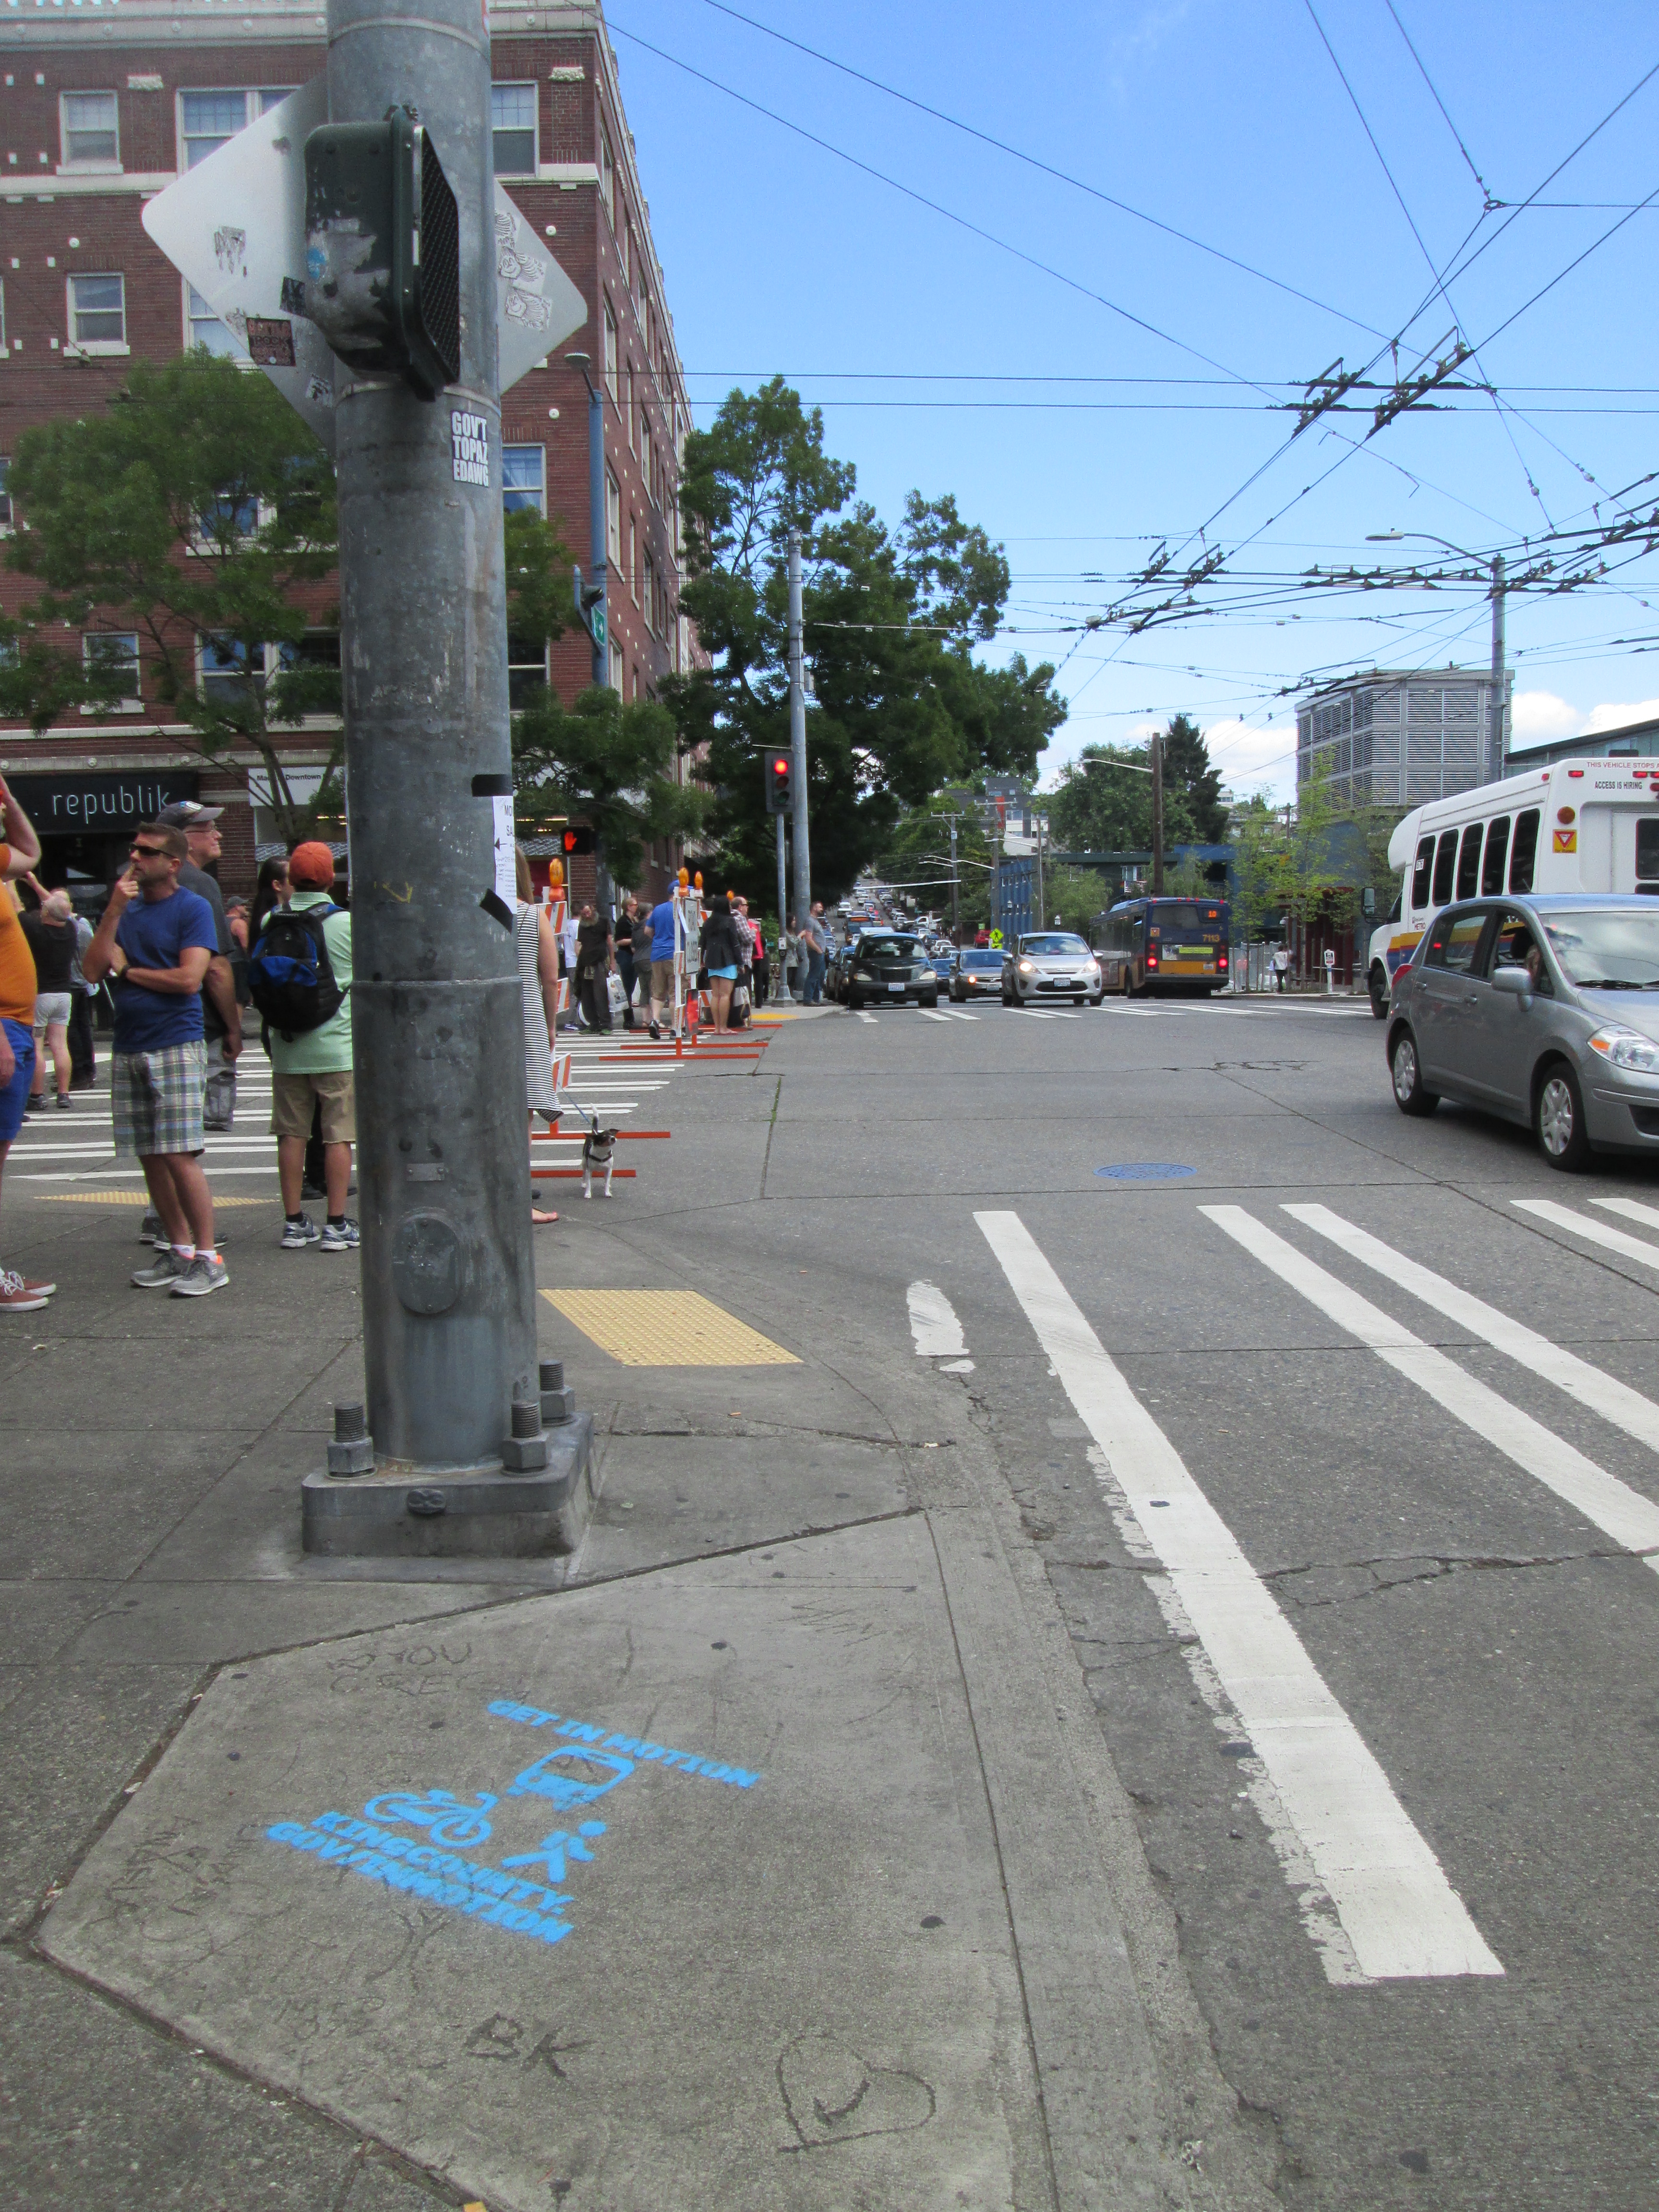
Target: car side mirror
(1515, 982)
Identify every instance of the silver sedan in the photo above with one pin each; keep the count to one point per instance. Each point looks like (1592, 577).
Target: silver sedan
(1544, 1011)
(1049, 963)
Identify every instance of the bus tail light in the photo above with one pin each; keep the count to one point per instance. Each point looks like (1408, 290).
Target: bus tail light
(1152, 960)
(1221, 961)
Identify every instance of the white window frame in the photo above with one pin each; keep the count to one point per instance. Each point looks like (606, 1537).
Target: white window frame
(5, 350)
(5, 496)
(612, 350)
(236, 350)
(256, 100)
(527, 494)
(645, 458)
(612, 522)
(107, 165)
(633, 557)
(648, 589)
(93, 346)
(516, 130)
(272, 666)
(618, 669)
(607, 174)
(203, 543)
(134, 703)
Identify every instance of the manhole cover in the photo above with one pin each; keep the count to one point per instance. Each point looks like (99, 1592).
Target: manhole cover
(1143, 1171)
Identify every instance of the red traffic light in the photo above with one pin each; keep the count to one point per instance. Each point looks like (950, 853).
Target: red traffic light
(779, 783)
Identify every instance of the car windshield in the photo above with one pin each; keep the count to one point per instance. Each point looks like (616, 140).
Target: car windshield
(982, 960)
(887, 948)
(1048, 947)
(1603, 950)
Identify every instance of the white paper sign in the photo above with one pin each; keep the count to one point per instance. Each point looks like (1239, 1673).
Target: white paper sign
(506, 865)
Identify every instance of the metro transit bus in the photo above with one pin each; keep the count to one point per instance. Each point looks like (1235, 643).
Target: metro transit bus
(1581, 825)
(1170, 947)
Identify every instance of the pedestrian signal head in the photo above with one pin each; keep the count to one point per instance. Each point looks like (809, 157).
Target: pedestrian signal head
(578, 839)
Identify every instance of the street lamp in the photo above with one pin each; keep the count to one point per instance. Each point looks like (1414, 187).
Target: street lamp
(600, 631)
(1499, 706)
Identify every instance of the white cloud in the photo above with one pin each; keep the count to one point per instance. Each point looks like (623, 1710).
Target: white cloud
(1537, 716)
(1614, 718)
(1253, 757)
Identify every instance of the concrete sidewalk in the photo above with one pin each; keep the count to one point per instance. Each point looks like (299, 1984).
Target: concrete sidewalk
(785, 1864)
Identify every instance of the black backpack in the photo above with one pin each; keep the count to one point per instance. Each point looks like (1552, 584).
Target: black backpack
(290, 978)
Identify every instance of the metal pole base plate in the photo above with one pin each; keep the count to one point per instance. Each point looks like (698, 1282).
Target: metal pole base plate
(491, 1515)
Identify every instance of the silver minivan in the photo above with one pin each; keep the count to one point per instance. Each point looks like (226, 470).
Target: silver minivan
(1545, 1009)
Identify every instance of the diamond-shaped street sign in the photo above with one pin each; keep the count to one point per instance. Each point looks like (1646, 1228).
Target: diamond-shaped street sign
(235, 227)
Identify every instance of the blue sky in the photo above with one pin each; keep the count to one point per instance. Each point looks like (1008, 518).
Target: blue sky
(1230, 122)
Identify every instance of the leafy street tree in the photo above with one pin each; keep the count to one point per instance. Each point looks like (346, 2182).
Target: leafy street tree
(918, 856)
(901, 706)
(1187, 771)
(1097, 811)
(199, 508)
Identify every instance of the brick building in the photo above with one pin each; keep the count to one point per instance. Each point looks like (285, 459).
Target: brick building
(103, 104)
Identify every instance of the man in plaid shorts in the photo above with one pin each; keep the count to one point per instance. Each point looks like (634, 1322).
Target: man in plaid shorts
(157, 940)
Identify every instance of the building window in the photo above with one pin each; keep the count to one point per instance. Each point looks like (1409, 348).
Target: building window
(2, 323)
(230, 518)
(5, 495)
(617, 670)
(607, 175)
(98, 313)
(522, 474)
(203, 328)
(612, 521)
(526, 671)
(512, 128)
(90, 135)
(630, 403)
(114, 653)
(610, 352)
(231, 672)
(646, 476)
(650, 593)
(633, 558)
(207, 120)
(624, 238)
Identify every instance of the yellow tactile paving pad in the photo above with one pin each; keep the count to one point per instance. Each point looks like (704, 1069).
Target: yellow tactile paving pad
(667, 1329)
(132, 1198)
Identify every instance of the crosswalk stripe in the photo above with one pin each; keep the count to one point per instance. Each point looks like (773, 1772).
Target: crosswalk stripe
(1394, 1902)
(1632, 1209)
(960, 1014)
(1608, 1505)
(928, 1014)
(1603, 1394)
(863, 1017)
(1594, 1232)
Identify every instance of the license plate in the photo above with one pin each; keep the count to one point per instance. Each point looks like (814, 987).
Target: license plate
(896, 986)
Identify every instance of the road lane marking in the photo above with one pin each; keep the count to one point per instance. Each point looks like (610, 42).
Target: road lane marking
(929, 1014)
(863, 1017)
(1608, 1505)
(1399, 1911)
(935, 1328)
(960, 1014)
(1594, 1232)
(1632, 1209)
(1603, 1394)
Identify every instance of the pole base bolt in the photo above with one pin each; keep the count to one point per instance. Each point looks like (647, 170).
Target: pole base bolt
(524, 1454)
(354, 1457)
(351, 1424)
(552, 1375)
(557, 1407)
(526, 1417)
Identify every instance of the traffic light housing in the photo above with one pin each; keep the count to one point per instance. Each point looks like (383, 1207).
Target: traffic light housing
(577, 840)
(779, 783)
(383, 251)
(591, 607)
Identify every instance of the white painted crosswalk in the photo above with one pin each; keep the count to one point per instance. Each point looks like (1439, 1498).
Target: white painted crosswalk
(1328, 1805)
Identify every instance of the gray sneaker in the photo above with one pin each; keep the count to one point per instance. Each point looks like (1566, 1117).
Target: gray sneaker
(201, 1277)
(150, 1227)
(163, 1271)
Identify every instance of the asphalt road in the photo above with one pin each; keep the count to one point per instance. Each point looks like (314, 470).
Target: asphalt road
(1486, 1647)
(1342, 1507)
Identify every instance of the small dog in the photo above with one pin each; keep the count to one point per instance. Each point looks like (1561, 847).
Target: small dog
(598, 1157)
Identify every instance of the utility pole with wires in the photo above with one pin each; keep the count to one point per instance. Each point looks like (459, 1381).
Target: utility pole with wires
(1155, 746)
(955, 906)
(1500, 731)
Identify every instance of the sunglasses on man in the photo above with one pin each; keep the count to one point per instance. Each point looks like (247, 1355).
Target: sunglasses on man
(151, 852)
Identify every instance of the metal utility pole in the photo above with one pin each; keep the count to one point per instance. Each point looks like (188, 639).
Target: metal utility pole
(1500, 745)
(783, 909)
(1040, 909)
(955, 906)
(798, 737)
(449, 1325)
(1155, 746)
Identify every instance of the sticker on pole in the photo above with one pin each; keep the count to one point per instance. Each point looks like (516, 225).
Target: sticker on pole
(469, 440)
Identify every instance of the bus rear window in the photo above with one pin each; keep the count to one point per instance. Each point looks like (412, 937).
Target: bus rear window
(1445, 859)
(1421, 873)
(1497, 845)
(1524, 851)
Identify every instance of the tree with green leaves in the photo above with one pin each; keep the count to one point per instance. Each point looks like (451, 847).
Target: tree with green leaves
(195, 512)
(1097, 811)
(918, 856)
(901, 708)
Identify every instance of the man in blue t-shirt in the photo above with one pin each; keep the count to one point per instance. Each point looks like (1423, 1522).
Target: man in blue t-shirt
(157, 938)
(662, 965)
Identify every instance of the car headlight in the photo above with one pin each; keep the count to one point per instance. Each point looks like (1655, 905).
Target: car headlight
(1093, 968)
(1028, 967)
(862, 975)
(1627, 1048)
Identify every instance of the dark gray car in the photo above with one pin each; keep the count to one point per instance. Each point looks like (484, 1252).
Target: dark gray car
(1544, 1011)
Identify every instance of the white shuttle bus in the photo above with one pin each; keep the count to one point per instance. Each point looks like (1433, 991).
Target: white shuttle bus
(1584, 825)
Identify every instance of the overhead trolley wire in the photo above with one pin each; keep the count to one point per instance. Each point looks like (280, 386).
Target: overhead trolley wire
(1045, 168)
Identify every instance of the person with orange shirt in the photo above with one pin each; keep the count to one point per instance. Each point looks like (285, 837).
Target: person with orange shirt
(20, 851)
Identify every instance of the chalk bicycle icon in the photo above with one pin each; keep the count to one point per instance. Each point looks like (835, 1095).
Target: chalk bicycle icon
(445, 1817)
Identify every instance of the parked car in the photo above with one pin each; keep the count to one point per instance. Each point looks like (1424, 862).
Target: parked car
(974, 973)
(1049, 963)
(882, 965)
(1544, 1011)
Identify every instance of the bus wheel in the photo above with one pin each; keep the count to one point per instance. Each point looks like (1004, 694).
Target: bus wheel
(1379, 990)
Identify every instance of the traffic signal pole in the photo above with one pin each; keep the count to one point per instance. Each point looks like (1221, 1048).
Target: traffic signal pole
(797, 737)
(448, 1287)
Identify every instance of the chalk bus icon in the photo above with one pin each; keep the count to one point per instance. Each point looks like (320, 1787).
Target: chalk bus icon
(549, 1779)
(445, 1817)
